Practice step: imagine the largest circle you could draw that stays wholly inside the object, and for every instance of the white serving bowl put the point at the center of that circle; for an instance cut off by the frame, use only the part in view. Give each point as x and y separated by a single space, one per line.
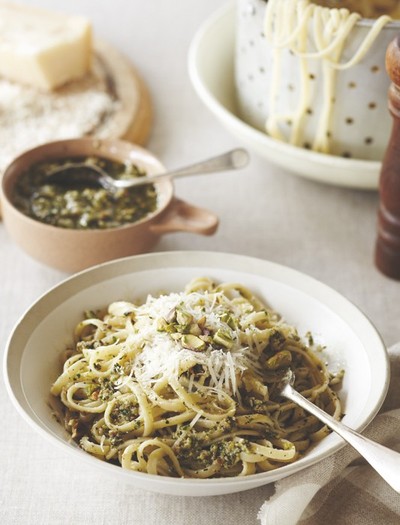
33 349
211 69
360 91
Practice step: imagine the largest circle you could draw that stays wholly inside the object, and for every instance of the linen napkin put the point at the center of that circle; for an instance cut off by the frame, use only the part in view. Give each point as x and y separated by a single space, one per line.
343 489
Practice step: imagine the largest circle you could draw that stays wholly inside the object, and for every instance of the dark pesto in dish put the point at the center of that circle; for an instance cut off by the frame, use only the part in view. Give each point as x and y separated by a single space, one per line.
83 204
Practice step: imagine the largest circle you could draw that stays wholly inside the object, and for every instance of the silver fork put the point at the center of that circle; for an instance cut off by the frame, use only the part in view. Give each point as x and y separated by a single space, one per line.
234 159
384 460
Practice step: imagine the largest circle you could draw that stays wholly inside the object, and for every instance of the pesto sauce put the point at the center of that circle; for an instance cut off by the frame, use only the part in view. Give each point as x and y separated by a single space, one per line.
83 205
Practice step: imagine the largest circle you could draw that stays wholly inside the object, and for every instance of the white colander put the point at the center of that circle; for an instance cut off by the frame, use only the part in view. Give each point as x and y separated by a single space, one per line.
360 124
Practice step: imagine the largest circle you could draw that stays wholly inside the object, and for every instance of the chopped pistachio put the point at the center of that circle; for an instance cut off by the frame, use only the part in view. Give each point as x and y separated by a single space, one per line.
192 342
202 321
164 326
183 318
195 329
171 315
228 319
221 337
279 360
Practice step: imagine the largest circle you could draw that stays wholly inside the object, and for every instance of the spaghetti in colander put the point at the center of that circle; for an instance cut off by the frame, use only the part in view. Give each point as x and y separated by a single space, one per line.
317 32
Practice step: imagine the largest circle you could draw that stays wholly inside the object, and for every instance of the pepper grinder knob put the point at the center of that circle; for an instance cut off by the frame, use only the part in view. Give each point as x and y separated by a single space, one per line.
387 250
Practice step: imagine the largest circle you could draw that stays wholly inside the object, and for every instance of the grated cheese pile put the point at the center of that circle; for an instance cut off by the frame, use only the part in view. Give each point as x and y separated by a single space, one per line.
29 118
162 356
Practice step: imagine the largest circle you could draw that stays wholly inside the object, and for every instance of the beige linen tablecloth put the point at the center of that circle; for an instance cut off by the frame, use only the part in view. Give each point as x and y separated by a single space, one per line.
324 231
343 489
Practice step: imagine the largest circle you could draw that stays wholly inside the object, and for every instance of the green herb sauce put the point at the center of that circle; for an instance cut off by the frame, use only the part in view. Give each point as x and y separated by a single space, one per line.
83 204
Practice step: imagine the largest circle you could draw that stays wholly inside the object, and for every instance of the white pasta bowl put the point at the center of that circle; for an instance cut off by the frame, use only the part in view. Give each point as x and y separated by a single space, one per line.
32 357
211 65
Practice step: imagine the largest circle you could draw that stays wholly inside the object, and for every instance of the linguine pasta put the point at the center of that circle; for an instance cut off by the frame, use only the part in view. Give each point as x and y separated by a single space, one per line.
186 385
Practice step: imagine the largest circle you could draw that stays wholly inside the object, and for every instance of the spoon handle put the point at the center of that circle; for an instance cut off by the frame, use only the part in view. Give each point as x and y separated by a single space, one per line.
384 460
234 159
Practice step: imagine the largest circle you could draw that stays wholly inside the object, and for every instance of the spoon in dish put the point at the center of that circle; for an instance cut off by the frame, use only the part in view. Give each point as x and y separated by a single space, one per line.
234 159
384 460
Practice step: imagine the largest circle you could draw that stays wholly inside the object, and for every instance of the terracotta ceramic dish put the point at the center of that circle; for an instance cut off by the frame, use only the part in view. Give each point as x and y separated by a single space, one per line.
73 250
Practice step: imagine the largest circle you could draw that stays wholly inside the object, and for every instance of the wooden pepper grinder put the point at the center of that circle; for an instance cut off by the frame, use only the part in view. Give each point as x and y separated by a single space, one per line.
387 252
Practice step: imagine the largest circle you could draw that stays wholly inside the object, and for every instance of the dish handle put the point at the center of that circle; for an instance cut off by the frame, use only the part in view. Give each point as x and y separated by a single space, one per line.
181 216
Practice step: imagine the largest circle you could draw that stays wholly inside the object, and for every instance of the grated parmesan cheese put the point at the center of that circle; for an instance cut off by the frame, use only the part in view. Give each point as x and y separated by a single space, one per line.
161 355
29 118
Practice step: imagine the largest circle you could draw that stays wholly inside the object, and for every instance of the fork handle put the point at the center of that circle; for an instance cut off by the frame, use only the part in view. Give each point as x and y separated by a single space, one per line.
234 159
384 460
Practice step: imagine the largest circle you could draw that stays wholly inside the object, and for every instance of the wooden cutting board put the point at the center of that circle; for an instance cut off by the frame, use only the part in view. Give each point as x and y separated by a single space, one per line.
112 101
132 121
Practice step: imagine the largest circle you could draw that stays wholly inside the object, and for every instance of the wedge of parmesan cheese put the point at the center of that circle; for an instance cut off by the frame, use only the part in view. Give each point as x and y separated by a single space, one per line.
43 49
